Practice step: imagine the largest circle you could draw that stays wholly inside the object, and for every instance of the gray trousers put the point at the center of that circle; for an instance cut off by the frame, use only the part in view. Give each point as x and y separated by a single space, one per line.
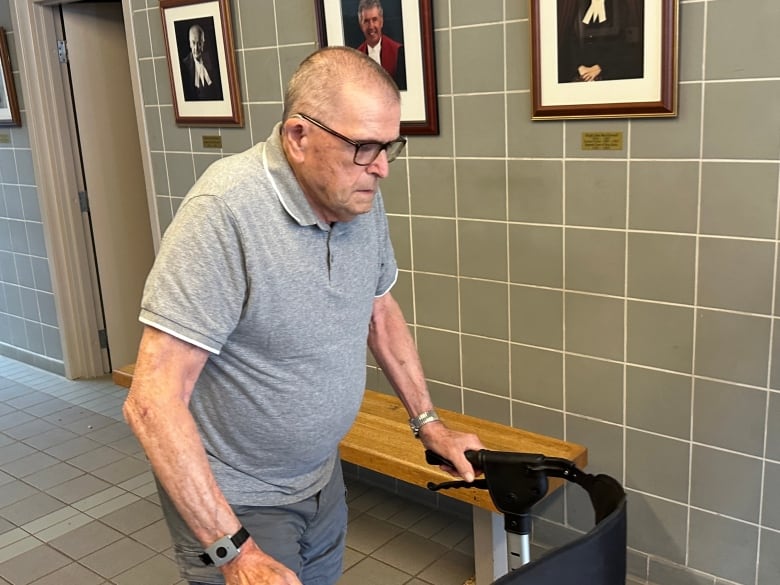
307 537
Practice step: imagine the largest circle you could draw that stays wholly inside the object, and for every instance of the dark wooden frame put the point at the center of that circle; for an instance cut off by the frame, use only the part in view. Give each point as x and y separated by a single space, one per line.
663 105
10 115
422 89
228 111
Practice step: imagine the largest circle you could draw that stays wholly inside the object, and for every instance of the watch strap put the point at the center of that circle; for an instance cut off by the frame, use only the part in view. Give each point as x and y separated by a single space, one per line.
417 422
225 549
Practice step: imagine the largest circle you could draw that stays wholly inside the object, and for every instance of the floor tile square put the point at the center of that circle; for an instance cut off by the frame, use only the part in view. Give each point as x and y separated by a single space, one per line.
370 571
86 539
156 536
78 488
31 565
29 464
56 436
157 570
121 470
117 558
72 574
72 448
133 517
96 458
54 475
31 508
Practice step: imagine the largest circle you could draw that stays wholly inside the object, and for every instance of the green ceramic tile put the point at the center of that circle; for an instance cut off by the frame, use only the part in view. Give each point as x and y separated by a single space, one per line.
486 369
752 34
257 24
156 34
401 238
595 261
723 547
663 196
261 74
668 138
441 13
537 420
531 138
537 316
660 336
661 267
744 408
481 188
395 188
657 465
478 59
535 191
732 347
440 354
445 396
604 442
770 516
163 81
440 144
658 401
596 193
482 249
537 376
736 274
177 138
181 172
536 255
402 293
235 140
733 112
443 57
594 388
484 308
664 572
713 487
658 527
594 325
769 567
492 408
691 41
474 116
773 423
436 301
739 199
432 187
296 21
435 245
517 58
143 46
264 118
148 82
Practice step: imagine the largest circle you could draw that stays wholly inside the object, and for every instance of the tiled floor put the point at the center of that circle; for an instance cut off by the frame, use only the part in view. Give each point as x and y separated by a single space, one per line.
78 504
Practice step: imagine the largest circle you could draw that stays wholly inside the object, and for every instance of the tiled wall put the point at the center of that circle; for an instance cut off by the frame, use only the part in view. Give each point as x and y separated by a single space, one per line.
626 301
28 316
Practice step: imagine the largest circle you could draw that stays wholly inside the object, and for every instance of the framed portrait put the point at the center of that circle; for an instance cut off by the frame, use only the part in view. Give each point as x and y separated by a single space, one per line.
9 104
399 35
201 62
603 58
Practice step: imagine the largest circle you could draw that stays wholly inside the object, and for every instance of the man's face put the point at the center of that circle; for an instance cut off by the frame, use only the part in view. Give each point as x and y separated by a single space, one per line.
371 23
196 42
337 188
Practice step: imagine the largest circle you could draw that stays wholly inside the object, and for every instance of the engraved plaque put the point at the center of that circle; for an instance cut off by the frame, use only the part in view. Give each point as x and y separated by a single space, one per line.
602 141
212 142
5 139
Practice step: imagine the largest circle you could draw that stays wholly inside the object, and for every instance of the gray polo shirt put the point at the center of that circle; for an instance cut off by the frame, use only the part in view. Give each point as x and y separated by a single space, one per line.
282 300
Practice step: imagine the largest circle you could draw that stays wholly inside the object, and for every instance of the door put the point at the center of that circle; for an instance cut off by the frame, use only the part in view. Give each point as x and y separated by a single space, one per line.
107 133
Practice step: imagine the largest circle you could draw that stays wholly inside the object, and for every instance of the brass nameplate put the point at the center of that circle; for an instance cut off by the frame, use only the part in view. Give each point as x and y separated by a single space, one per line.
212 142
602 141
5 139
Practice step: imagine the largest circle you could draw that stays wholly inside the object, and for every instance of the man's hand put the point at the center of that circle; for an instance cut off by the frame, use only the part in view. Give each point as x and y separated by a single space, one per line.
589 73
253 567
451 445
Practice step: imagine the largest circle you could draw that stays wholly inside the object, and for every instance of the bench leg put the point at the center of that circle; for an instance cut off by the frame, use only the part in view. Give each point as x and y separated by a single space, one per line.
490 546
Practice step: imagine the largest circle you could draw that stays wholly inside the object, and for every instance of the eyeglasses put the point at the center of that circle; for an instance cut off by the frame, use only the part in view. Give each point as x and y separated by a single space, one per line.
365 152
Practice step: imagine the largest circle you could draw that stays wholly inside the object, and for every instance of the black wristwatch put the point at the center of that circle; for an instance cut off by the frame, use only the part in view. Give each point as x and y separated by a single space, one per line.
225 549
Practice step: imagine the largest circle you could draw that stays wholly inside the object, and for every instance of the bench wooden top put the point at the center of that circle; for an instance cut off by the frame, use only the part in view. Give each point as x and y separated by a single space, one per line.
380 440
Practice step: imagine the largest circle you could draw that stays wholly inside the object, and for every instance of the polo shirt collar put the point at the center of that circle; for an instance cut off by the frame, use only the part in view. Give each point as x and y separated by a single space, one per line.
285 184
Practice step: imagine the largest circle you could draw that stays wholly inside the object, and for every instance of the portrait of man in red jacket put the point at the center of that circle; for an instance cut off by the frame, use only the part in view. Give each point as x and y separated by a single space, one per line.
386 51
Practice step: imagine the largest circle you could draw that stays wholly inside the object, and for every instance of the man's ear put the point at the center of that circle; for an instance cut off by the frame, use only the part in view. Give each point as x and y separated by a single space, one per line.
296 136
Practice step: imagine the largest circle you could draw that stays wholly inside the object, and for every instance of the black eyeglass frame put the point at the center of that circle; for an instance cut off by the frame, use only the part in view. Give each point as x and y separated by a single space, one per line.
386 146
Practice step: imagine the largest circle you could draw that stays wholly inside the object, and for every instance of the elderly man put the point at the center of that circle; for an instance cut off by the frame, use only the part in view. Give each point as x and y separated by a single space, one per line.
199 73
274 274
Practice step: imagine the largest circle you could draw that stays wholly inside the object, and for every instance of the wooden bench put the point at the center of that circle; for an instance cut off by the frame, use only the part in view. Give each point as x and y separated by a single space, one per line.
380 440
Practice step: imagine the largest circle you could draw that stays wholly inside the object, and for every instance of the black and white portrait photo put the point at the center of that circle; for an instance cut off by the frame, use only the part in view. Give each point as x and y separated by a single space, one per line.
200 73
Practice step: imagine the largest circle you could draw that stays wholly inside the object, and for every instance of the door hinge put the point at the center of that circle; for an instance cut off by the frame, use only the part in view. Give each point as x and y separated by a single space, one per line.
103 338
83 202
62 51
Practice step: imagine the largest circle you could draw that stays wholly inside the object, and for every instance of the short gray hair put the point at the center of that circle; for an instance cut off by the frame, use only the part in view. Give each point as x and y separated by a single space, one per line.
367 5
315 87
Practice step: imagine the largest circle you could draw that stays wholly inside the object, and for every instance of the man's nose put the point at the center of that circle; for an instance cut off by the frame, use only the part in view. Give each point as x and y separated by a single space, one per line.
380 167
